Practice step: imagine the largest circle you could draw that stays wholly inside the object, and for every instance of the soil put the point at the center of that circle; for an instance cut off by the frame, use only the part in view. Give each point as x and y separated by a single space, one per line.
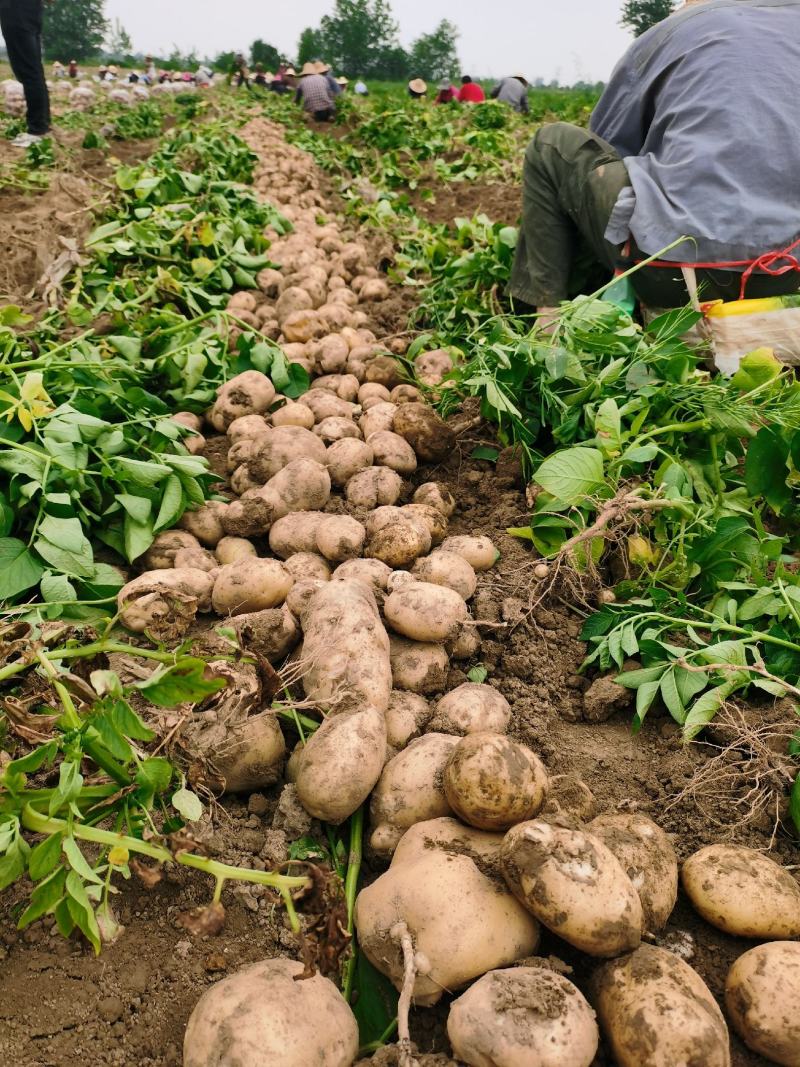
60 1005
443 203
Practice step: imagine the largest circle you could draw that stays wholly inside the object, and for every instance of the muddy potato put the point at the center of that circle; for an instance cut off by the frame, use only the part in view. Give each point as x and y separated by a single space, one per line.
418 667
393 451
161 553
300 595
386 370
406 717
261 1015
240 481
327 405
333 353
272 633
405 394
371 572
206 522
656 1011
465 643
374 487
296 532
492 782
279 448
762 995
373 393
400 544
571 799
479 552
647 857
379 418
246 755
448 835
164 603
292 299
381 517
410 790
302 326
447 569
249 393
345 386
424 612
337 428
397 579
269 281
242 301
293 414
340 537
302 565
239 452
523 1017
200 558
430 437
250 585
347 457
432 367
574 885
436 496
247 427
254 513
303 485
743 892
434 520
374 289
472 708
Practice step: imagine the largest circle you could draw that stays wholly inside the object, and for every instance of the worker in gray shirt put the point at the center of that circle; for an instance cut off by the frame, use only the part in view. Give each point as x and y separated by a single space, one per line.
695 136
512 91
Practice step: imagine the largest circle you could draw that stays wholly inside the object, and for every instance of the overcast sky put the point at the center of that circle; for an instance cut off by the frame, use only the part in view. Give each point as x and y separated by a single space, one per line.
565 39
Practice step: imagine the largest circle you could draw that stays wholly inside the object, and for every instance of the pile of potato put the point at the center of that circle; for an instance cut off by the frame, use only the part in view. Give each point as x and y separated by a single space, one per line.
325 557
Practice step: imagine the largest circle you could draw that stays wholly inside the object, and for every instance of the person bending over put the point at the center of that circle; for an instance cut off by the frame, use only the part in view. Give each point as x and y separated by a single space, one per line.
314 93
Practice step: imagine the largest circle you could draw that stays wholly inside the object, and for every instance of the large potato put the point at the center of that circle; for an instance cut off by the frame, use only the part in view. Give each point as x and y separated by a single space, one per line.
250 585
743 892
247 427
164 603
346 458
371 572
647 857
232 549
373 487
249 393
450 836
656 1011
762 995
248 754
472 708
303 485
446 568
296 532
479 552
575 886
492 782
523 1017
293 414
305 565
280 447
418 667
400 543
429 436
378 418
340 537
424 612
392 451
262 1016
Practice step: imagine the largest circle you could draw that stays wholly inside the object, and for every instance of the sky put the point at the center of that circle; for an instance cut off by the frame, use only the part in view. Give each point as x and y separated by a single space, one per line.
570 40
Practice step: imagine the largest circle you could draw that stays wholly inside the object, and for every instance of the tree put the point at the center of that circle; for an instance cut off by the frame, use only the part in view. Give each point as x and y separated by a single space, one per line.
358 36
309 46
434 55
73 29
639 15
261 52
118 42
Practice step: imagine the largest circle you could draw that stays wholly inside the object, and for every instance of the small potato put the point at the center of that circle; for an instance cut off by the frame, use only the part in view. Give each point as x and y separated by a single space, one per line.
248 755
333 353
240 480
432 367
501 1021
378 419
345 386
743 892
261 1014
574 885
405 394
437 496
472 708
346 458
424 612
417 667
400 544
479 552
303 565
189 419
250 585
241 451
448 569
327 405
374 289
303 485
406 718
648 859
206 522
465 644
293 414
433 520
161 553
296 532
373 391
656 1011
335 316
762 995
335 428
242 301
340 537
430 437
385 370
279 448
269 281
374 487
248 393
247 427
492 782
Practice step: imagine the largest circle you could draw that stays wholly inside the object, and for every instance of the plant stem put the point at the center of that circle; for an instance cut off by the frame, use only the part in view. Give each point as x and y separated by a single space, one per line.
354 858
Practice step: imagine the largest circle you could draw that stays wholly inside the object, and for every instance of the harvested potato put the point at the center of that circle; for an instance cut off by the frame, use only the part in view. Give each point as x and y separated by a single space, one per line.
410 790
327 405
433 520
161 553
743 892
479 552
472 708
296 532
164 603
574 885
272 633
333 353
397 579
247 427
436 496
647 857
262 1014
447 569
372 487
372 393
283 445
465 644
345 386
385 370
391 450
292 299
303 485
378 419
242 301
424 612
405 394
406 717
243 450
250 585
240 480
299 596
492 782
336 428
450 836
432 367
255 513
523 1017
398 545
248 393
417 667
302 326
460 922
374 289
200 558
206 522
762 995
346 458
656 1011
386 515
429 436
340 537
303 565
244 755
293 414
371 572
190 420
569 798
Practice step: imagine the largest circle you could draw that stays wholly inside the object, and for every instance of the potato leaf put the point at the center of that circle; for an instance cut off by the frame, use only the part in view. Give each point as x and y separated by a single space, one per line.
19 570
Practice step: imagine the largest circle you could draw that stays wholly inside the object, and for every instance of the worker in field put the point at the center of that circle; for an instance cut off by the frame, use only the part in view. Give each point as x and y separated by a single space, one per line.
417 88
512 91
470 92
314 93
21 26
446 94
695 136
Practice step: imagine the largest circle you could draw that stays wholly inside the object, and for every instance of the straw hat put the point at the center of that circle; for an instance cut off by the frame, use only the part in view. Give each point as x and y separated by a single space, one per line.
322 67
112 69
291 72
308 68
342 80
417 85
521 78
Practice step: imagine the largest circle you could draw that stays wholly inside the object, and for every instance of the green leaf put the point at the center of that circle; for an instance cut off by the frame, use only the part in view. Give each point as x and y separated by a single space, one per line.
180 682
756 368
78 862
794 803
645 695
171 506
138 507
572 474
70 783
12 865
485 452
19 570
40 757
140 473
376 1003
57 589
44 857
478 674
188 804
76 564
129 348
137 537
64 921
671 696
765 469
706 707
81 911
153 777
45 897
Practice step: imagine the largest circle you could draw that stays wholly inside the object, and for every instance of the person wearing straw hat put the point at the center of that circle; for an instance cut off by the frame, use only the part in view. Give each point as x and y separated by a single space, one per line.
314 93
325 70
446 94
512 91
417 88
342 82
691 158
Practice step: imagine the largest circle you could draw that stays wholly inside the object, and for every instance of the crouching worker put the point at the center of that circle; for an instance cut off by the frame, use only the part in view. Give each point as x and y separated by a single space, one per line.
696 136
314 93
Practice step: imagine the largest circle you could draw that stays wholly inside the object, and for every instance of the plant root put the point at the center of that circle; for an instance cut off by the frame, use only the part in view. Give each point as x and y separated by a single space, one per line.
400 933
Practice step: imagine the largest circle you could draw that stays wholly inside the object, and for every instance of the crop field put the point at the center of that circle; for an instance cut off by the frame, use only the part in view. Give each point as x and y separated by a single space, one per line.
351 623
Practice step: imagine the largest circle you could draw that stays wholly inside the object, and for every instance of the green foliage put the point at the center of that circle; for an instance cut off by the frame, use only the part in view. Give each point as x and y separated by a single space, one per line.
358 35
118 42
310 45
73 29
266 54
435 55
639 16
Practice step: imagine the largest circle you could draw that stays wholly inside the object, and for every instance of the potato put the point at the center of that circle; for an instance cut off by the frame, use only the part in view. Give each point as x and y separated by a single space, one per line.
391 450
647 857
447 569
372 487
262 1015
340 537
656 1011
432 367
336 428
465 643
247 427
374 289
254 513
250 585
200 558
269 281
574 885
300 594
460 922
429 436
450 836
302 326
345 386
240 480
279 448
303 485
436 496
272 633
242 301
406 718
492 782
399 544
333 354
296 532
743 892
248 393
161 553
189 419
523 1017
335 316
164 603
762 995
379 418
373 393
346 458
569 798
241 451
371 572
327 405
303 565
424 612
410 790
293 414
247 755
434 521
472 708
479 552
206 522
417 667
292 299
405 394
385 370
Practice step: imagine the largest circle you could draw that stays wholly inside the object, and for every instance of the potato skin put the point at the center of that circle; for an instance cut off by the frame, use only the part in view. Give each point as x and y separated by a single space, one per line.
437 496
450 836
302 485
656 1011
574 885
762 997
260 1015
280 447
418 667
448 569
296 532
369 571
252 754
406 717
724 882
424 612
398 544
472 708
164 602
340 537
161 553
479 552
523 1017
492 782
346 458
373 487
250 585
393 451
429 436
